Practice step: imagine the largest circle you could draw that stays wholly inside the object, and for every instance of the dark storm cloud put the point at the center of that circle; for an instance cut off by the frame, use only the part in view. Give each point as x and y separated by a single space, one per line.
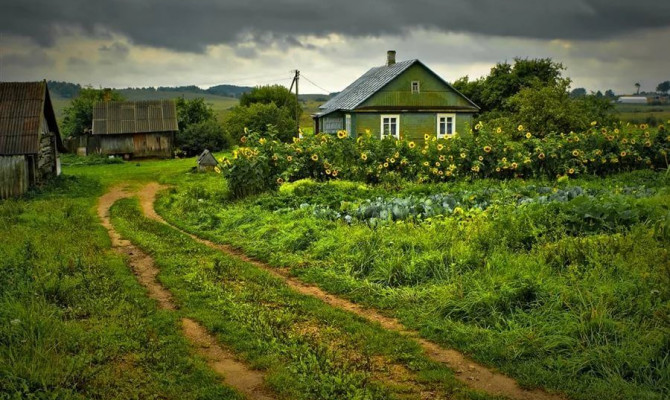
193 25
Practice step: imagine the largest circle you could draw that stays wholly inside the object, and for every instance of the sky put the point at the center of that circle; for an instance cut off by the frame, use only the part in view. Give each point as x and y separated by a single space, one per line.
604 44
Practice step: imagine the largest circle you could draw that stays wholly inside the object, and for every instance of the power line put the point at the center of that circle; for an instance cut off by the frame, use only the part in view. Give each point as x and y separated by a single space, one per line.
310 81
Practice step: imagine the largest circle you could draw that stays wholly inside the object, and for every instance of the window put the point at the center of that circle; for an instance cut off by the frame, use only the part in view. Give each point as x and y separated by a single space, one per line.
446 125
415 86
390 126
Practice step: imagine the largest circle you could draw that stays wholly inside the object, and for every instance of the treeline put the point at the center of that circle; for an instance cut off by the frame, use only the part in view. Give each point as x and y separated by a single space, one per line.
68 90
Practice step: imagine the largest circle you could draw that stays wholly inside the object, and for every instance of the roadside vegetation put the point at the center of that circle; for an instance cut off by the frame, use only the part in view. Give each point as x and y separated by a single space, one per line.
560 283
74 322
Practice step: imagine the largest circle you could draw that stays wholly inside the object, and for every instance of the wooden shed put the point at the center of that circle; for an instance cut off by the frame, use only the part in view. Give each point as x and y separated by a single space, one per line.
29 137
134 128
207 161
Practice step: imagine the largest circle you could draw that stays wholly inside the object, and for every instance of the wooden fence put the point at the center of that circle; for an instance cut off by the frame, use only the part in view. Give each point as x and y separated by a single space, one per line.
13 176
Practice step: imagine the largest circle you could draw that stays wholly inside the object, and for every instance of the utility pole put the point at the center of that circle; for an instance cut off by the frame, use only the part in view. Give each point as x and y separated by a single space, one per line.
296 78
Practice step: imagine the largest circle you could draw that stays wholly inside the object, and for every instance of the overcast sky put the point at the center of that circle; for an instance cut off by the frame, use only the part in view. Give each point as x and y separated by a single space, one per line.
119 43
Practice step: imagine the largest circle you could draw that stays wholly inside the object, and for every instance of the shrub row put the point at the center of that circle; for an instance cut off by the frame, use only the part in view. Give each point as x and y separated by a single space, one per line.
263 162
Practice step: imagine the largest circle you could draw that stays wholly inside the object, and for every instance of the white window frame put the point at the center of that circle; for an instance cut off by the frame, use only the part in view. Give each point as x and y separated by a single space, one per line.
418 87
347 124
397 125
453 125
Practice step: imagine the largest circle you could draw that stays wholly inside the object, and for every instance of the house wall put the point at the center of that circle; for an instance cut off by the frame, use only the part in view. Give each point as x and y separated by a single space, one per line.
138 144
432 92
413 125
48 154
14 178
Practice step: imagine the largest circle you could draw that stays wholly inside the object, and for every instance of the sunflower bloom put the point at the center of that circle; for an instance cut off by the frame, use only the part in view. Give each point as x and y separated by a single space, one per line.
499 130
426 136
217 169
280 181
575 153
540 156
364 156
440 147
289 158
411 145
463 155
571 171
335 172
487 149
341 134
520 128
528 135
315 157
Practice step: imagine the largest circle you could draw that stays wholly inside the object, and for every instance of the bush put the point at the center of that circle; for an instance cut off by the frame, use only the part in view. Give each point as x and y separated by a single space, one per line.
261 118
208 134
493 152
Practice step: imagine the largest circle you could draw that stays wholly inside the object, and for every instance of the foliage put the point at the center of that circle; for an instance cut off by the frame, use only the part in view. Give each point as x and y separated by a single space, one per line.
561 283
78 116
663 87
198 128
277 94
501 152
203 135
68 159
65 90
260 117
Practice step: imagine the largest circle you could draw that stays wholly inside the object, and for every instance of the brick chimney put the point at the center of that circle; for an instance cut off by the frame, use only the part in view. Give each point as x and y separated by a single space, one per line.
390 57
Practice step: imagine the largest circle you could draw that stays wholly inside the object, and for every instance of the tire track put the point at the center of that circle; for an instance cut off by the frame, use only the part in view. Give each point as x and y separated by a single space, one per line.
234 373
468 371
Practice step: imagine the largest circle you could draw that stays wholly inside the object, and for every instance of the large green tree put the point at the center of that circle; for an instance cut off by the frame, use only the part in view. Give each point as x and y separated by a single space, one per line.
663 87
78 117
259 117
199 128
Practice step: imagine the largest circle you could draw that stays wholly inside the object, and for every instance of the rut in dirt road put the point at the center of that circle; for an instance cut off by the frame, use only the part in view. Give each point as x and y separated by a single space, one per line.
471 373
235 374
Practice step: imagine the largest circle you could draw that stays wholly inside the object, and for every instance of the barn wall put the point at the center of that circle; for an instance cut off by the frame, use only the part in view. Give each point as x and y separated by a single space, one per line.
137 145
14 180
46 158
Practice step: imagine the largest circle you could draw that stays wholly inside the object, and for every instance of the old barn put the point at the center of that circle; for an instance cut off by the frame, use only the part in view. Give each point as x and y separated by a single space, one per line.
29 137
134 128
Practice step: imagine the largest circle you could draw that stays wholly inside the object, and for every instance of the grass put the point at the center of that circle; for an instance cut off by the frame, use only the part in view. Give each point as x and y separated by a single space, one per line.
639 113
308 349
570 295
74 322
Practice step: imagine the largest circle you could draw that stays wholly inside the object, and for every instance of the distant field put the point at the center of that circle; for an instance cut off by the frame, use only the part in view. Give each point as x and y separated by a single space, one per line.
639 113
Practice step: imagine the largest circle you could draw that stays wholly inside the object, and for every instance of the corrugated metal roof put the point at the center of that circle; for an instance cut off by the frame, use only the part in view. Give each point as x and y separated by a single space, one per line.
121 117
370 83
22 105
364 87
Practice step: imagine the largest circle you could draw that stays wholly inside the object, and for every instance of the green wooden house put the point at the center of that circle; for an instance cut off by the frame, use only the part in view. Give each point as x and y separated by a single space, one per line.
403 99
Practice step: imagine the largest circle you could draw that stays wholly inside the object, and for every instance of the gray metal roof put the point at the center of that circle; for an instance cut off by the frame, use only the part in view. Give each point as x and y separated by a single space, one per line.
370 83
22 107
364 87
124 117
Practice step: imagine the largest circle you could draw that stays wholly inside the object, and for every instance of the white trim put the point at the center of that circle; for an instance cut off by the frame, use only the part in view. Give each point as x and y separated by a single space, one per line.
347 124
453 125
397 126
418 87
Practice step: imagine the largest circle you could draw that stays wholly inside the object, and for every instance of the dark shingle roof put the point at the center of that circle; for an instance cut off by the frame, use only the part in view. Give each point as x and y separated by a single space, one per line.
22 105
370 83
121 117
364 87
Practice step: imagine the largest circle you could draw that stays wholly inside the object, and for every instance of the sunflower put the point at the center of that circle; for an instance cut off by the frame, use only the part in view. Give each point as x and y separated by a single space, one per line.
575 153
217 169
623 154
487 149
448 173
475 168
262 141
528 135
364 156
632 141
327 172
498 130
335 172
280 181
519 128
442 158
440 147
498 169
386 165
514 165
437 163
411 145
603 131
610 138
426 163
647 143
504 159
616 130
392 160
275 157
426 137
341 134
540 156
289 158
594 123
243 139
315 157
463 155
480 158
571 171
624 140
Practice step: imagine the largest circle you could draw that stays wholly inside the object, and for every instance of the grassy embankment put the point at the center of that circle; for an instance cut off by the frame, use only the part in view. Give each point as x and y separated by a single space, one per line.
559 286
74 322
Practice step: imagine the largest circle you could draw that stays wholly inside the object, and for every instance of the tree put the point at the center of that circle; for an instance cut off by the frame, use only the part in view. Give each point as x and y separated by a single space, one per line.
663 87
637 86
277 94
609 93
199 128
78 117
194 111
505 80
206 134
259 117
578 92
